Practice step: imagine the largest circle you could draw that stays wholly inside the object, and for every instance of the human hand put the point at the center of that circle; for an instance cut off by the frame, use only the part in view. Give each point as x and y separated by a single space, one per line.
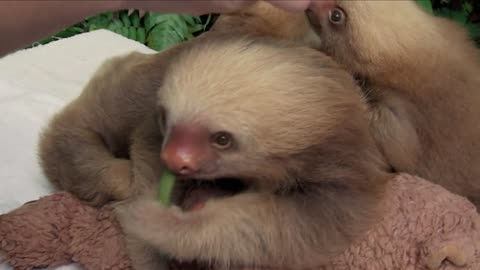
209 6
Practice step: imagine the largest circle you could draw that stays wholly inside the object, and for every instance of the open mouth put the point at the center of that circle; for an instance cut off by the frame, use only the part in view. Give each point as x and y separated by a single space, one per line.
194 193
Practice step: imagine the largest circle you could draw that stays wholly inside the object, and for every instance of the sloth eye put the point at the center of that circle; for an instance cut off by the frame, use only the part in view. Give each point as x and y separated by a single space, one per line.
336 16
222 140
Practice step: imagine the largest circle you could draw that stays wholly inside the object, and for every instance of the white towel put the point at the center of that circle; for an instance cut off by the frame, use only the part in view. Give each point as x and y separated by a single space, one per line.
34 84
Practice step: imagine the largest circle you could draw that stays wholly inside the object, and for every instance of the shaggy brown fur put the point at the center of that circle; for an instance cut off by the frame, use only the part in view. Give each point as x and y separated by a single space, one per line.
313 175
419 72
88 148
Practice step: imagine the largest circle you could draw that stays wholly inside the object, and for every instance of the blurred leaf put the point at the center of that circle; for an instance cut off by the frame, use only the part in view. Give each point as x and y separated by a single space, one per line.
132 33
162 37
474 30
100 21
209 18
152 19
427 5
158 31
124 18
467 8
135 18
141 35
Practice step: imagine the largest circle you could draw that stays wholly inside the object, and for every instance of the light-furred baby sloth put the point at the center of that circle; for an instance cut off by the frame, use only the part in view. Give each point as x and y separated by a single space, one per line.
419 73
280 133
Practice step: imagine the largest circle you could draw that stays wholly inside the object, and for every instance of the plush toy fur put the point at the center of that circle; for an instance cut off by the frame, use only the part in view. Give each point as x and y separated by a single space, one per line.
424 227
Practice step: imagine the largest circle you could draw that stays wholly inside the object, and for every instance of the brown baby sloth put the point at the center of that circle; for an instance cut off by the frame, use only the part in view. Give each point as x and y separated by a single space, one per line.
281 132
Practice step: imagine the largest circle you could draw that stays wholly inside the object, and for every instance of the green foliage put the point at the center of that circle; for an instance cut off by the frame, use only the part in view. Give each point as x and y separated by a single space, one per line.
464 12
157 31
160 31
426 4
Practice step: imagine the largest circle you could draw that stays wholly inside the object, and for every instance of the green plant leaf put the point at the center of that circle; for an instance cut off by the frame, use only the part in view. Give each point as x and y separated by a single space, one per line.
467 8
135 18
156 30
209 18
117 23
100 21
141 35
427 5
161 37
124 31
474 30
457 16
124 18
132 33
152 19
112 27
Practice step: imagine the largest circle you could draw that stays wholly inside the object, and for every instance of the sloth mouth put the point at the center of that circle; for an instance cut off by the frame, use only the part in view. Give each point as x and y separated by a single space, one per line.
196 192
193 194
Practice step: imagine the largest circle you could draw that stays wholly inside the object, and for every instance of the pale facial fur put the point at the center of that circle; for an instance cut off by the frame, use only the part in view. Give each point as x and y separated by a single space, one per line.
314 176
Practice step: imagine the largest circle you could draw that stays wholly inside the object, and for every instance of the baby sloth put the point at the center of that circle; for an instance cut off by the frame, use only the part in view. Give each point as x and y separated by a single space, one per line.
421 77
280 134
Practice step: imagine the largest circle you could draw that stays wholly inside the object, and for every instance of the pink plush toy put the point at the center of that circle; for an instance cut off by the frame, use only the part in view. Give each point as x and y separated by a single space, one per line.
425 227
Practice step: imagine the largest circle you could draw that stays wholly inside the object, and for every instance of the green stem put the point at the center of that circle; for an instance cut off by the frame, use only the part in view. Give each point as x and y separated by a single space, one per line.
167 181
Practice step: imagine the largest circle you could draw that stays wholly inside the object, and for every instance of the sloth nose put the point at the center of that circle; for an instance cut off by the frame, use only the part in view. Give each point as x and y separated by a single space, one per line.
181 161
186 149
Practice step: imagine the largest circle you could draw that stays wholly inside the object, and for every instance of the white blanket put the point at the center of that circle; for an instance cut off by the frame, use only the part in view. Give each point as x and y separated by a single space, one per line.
34 84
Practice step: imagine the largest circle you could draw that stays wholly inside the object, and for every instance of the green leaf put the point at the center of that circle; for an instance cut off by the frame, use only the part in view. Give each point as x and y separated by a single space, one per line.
152 19
197 28
113 27
209 18
467 8
474 30
162 37
457 16
191 20
100 21
156 30
427 5
135 18
117 23
141 35
125 19
132 33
